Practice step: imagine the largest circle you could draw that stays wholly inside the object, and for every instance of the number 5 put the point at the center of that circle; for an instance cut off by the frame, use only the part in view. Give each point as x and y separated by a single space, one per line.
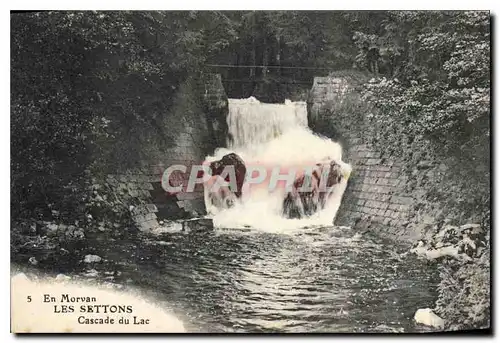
29 298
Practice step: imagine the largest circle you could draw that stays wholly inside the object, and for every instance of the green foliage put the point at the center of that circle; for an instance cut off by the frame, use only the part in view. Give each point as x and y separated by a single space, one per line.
91 90
440 98
463 254
464 292
446 79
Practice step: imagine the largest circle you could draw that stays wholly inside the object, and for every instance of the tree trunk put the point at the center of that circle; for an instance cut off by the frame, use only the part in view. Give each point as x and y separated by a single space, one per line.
265 59
278 54
253 59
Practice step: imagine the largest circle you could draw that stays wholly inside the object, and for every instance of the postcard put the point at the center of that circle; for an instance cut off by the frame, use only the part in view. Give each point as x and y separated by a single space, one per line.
250 171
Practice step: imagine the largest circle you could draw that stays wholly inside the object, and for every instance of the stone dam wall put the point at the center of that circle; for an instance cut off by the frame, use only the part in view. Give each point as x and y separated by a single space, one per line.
380 195
199 112
398 196
376 190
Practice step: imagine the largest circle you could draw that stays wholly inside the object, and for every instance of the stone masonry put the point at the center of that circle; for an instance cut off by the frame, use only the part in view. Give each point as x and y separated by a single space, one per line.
375 192
200 109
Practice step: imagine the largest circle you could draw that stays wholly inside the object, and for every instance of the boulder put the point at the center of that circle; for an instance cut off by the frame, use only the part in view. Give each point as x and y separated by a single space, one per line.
62 278
197 225
92 259
232 159
427 317
299 203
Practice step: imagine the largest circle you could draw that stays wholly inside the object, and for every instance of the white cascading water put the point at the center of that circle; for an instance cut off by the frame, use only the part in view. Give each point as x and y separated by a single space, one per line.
273 135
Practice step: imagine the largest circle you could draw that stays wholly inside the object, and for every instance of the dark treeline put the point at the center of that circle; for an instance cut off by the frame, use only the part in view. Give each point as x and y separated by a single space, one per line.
88 88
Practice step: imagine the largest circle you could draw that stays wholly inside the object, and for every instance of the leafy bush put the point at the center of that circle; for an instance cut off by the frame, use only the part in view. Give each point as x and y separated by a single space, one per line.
91 93
464 292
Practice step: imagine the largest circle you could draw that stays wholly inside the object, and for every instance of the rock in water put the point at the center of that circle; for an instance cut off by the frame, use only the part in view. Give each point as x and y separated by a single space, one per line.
197 225
92 259
427 317
240 170
91 273
62 277
306 197
32 260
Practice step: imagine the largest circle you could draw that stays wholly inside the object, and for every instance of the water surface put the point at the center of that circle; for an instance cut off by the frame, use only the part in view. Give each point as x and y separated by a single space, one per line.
327 279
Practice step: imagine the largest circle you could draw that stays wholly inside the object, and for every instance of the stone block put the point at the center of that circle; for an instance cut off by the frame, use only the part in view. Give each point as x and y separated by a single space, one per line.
189 196
197 225
150 216
382 181
395 215
139 218
133 193
355 188
372 154
382 205
151 208
375 189
383 197
401 200
148 225
392 182
400 208
366 196
366 188
370 180
372 161
137 210
386 168
394 207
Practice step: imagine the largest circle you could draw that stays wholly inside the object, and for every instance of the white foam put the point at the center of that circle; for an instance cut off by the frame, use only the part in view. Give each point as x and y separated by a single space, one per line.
273 135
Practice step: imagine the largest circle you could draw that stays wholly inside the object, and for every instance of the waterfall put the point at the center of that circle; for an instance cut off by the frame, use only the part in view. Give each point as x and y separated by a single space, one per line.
273 137
252 123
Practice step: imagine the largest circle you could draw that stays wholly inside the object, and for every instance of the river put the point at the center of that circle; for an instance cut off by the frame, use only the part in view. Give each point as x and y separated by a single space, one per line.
326 279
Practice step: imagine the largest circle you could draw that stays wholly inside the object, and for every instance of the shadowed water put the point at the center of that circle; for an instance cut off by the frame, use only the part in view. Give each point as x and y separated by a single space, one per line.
318 280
